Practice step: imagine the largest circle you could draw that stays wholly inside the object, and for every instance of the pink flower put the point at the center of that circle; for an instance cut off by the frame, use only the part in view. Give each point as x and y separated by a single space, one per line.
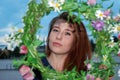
118 53
90 77
23 49
98 25
24 70
117 18
107 12
91 2
88 66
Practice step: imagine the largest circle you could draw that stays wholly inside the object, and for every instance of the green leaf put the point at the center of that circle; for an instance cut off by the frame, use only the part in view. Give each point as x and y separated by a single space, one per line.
110 6
70 6
38 42
84 7
18 63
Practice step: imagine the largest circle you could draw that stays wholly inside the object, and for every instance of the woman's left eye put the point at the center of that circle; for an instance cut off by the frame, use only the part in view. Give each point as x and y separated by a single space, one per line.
68 33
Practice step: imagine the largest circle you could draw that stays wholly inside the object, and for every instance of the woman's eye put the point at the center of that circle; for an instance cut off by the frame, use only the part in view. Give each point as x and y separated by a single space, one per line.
68 33
55 30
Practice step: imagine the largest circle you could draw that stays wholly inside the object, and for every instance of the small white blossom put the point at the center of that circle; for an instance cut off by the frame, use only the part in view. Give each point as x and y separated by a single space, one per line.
116 29
20 30
12 35
11 41
17 42
109 28
56 4
112 39
99 14
6 38
10 46
51 3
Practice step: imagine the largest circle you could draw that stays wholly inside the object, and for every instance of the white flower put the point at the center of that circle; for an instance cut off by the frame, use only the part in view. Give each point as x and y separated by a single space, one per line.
116 29
17 42
51 3
12 35
112 39
99 14
10 46
6 38
11 41
20 30
56 5
109 28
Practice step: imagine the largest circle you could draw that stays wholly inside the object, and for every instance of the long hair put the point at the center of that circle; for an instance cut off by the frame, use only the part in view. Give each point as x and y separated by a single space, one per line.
81 48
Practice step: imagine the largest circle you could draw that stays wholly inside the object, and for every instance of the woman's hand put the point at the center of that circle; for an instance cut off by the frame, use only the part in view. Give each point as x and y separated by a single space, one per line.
26 72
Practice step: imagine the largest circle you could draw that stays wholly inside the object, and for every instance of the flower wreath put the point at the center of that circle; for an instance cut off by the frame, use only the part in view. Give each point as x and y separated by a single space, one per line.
101 23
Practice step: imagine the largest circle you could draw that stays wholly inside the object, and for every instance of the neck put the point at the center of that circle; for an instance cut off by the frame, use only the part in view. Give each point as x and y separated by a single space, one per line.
57 61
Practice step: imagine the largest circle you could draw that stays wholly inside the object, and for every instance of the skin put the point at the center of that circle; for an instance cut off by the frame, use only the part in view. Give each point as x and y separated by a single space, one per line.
60 42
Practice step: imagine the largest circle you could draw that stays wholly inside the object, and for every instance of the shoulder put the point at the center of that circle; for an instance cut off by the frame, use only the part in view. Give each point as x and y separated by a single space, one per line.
38 75
45 62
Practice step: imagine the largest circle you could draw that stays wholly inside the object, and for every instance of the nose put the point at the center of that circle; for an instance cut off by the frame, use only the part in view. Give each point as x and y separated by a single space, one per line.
59 36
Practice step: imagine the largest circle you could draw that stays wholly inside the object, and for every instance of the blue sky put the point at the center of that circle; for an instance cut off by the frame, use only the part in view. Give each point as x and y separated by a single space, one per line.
12 11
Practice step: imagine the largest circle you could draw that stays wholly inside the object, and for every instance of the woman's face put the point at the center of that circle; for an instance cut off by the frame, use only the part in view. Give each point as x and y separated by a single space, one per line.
61 37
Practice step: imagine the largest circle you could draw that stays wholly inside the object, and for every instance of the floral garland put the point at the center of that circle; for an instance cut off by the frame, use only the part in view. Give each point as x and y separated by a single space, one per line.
102 24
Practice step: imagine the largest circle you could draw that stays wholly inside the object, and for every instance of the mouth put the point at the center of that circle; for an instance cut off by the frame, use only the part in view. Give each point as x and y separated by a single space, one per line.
57 44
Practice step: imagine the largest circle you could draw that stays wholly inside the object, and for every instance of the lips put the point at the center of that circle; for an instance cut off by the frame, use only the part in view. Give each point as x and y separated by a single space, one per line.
57 44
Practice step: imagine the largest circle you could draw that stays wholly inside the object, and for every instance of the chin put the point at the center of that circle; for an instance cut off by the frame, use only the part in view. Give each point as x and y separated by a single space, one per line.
58 51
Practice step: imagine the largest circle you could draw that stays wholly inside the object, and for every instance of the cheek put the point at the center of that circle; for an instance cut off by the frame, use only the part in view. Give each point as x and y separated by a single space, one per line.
51 37
68 43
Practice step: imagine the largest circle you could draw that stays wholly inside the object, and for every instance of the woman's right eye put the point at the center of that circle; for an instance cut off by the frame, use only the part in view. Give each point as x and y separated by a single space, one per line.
55 30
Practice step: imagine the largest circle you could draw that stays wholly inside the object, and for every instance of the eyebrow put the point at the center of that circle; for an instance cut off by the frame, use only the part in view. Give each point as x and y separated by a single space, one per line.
65 29
55 26
70 30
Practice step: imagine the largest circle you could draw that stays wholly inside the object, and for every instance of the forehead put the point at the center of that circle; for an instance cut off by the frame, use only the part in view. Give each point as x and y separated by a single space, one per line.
62 23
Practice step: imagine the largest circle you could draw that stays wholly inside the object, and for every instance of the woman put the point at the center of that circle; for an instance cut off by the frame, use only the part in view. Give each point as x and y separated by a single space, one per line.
68 45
